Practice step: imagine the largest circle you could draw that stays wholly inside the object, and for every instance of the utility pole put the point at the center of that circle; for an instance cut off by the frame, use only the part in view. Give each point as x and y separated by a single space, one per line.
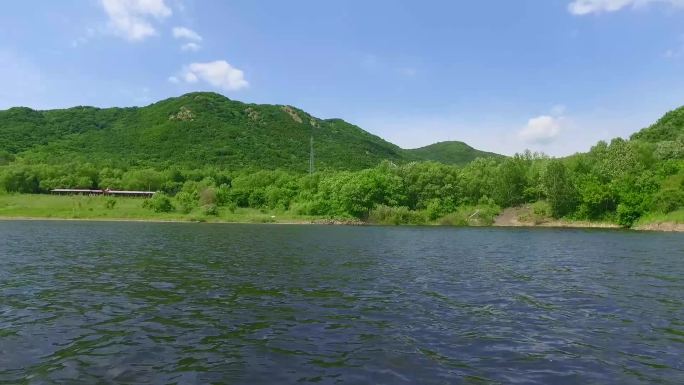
311 156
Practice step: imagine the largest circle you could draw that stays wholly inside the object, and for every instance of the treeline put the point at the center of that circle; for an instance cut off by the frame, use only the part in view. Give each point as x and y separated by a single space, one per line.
617 182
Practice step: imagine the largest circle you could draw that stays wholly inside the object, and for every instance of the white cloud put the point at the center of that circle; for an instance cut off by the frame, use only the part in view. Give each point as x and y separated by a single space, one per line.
585 7
219 74
186 33
190 47
543 129
190 77
131 19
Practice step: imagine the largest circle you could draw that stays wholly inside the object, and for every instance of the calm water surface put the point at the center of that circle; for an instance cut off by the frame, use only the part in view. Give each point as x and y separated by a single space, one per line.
129 303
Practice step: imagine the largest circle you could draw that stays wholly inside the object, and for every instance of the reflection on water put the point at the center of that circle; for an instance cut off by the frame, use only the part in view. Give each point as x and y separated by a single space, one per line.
255 304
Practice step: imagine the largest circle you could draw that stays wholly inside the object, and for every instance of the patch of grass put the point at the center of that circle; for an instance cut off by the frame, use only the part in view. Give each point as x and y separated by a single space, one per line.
386 215
537 213
480 215
100 207
676 216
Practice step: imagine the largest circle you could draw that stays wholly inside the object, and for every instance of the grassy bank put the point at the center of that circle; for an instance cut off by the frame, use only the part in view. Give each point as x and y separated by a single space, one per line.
41 206
673 221
120 208
536 215
102 208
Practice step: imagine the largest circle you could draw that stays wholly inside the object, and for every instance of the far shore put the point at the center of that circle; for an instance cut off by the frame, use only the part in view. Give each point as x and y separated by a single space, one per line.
556 224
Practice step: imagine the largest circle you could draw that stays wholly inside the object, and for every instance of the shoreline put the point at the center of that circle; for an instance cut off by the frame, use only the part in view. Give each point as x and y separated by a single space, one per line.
665 227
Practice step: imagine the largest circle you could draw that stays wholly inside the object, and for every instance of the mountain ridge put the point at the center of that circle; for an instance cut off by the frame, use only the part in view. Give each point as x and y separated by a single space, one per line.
197 129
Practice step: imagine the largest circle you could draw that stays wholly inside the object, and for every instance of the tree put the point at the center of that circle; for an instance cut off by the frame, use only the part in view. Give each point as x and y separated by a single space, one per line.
560 189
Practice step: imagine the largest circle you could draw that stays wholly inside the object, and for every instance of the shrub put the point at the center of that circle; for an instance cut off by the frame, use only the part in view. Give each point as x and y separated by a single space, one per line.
110 203
210 209
396 216
627 214
231 206
187 201
207 196
453 219
669 200
159 203
480 215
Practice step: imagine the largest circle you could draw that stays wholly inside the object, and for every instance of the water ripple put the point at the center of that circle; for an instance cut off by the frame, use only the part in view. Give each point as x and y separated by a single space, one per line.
187 303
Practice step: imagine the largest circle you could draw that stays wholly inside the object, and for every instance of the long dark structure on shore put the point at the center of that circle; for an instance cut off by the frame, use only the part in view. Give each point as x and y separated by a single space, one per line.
123 193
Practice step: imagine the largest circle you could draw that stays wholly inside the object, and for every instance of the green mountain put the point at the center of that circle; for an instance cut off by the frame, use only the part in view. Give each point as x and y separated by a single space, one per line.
457 153
202 129
668 128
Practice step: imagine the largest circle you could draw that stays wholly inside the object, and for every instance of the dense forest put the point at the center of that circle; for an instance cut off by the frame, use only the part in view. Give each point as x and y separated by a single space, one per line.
203 129
358 175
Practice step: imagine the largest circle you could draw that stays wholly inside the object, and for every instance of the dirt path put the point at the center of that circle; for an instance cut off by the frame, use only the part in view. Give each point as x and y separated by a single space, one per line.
510 217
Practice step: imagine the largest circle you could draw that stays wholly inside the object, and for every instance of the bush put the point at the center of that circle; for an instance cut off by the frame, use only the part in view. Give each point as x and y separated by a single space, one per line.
110 203
627 214
187 201
159 203
207 197
396 216
210 209
231 206
453 219
480 215
541 209
667 201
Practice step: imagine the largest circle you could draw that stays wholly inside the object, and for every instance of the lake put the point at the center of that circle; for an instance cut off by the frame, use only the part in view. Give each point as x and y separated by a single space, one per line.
163 303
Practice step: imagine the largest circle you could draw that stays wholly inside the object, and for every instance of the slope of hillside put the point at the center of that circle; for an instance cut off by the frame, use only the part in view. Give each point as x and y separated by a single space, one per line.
457 153
200 129
668 128
193 130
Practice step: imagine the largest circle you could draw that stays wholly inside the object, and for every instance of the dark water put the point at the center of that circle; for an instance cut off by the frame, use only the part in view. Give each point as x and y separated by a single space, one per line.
131 303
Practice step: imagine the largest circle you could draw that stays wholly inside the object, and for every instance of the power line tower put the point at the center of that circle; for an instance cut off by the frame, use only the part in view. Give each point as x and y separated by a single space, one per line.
311 156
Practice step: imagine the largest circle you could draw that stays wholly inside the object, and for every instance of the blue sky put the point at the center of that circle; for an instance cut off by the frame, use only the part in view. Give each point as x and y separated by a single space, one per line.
507 75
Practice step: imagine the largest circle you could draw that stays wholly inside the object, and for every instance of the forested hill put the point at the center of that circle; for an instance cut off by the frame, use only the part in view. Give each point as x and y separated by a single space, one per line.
198 130
669 128
457 153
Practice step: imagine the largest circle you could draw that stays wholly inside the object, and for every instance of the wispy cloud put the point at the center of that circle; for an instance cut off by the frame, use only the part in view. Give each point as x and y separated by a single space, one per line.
191 37
190 47
585 7
186 33
133 19
219 74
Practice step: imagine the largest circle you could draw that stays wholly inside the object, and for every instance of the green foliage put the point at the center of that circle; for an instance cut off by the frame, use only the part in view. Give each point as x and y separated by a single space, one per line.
542 209
511 181
187 201
19 179
110 203
668 200
669 128
561 193
197 130
480 215
204 152
210 209
159 203
456 153
387 215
